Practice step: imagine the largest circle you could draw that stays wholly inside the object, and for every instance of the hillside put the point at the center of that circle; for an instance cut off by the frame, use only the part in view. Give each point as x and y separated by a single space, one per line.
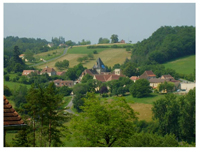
165 44
110 56
184 65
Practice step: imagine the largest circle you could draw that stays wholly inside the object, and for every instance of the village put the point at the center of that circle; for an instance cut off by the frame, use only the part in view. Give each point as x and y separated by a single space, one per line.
98 72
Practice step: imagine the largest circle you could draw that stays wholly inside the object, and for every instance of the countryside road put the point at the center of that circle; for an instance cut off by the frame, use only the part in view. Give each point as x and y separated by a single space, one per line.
65 51
70 106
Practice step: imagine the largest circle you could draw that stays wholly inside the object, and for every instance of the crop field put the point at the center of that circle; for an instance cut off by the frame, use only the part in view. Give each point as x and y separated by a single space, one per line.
185 65
109 57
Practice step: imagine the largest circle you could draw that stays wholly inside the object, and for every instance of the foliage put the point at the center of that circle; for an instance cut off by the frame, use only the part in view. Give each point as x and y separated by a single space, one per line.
70 43
120 86
64 90
29 55
103 89
140 88
165 44
130 69
151 140
62 64
86 78
7 91
91 56
83 42
75 72
44 107
103 40
95 52
177 115
169 86
6 77
19 96
114 38
102 123
35 45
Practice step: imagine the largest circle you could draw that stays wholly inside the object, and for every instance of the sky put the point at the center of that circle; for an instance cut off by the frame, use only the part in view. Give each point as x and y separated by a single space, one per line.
90 21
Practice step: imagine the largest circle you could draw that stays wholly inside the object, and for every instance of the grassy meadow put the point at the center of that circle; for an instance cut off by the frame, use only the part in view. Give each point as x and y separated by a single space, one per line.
109 56
184 65
15 85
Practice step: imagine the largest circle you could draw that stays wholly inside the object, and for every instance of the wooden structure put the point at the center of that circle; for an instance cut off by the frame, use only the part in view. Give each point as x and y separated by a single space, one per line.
12 120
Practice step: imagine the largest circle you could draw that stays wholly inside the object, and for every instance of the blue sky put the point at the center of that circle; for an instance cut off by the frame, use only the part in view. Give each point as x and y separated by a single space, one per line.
90 21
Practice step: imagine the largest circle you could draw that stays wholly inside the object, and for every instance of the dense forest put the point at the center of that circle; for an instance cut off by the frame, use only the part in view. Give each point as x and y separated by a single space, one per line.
35 45
165 44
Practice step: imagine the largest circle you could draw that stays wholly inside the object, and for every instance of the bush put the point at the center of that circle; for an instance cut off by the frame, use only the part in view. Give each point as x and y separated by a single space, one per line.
6 77
95 52
104 95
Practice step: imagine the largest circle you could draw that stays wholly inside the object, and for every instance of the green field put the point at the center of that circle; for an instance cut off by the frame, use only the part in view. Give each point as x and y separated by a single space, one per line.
84 50
15 85
184 65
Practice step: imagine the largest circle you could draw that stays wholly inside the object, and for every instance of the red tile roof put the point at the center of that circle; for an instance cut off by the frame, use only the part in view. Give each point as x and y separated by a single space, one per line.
134 78
60 73
47 70
150 73
11 117
27 72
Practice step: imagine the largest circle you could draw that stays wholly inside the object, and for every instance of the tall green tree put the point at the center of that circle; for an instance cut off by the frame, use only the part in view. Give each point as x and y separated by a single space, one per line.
140 88
114 38
29 55
102 123
167 111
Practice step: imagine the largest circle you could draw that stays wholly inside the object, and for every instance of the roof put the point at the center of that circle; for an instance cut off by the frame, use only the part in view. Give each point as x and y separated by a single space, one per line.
60 73
21 55
27 72
48 70
157 80
60 83
108 77
99 64
11 117
147 74
150 73
134 78
168 76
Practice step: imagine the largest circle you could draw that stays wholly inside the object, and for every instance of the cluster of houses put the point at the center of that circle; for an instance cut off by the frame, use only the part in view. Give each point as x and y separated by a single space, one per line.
98 72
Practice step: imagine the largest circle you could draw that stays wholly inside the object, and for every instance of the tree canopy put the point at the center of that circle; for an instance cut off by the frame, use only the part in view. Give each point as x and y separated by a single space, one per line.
101 124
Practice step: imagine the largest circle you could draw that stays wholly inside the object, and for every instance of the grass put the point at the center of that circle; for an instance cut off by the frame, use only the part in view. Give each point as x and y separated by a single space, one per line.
110 57
15 85
9 136
84 50
141 105
184 65
66 99
47 55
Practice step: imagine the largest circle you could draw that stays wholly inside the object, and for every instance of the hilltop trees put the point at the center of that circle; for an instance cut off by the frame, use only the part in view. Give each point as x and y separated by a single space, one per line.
103 40
165 44
114 38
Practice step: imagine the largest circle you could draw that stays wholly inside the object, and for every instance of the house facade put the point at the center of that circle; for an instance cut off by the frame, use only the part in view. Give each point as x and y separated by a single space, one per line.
49 71
60 83
27 72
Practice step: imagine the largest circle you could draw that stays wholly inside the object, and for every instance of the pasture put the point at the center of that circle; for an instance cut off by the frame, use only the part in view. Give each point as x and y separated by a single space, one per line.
184 65
110 57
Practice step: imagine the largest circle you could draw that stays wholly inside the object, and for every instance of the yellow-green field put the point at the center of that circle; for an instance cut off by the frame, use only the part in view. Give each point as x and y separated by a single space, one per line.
109 57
